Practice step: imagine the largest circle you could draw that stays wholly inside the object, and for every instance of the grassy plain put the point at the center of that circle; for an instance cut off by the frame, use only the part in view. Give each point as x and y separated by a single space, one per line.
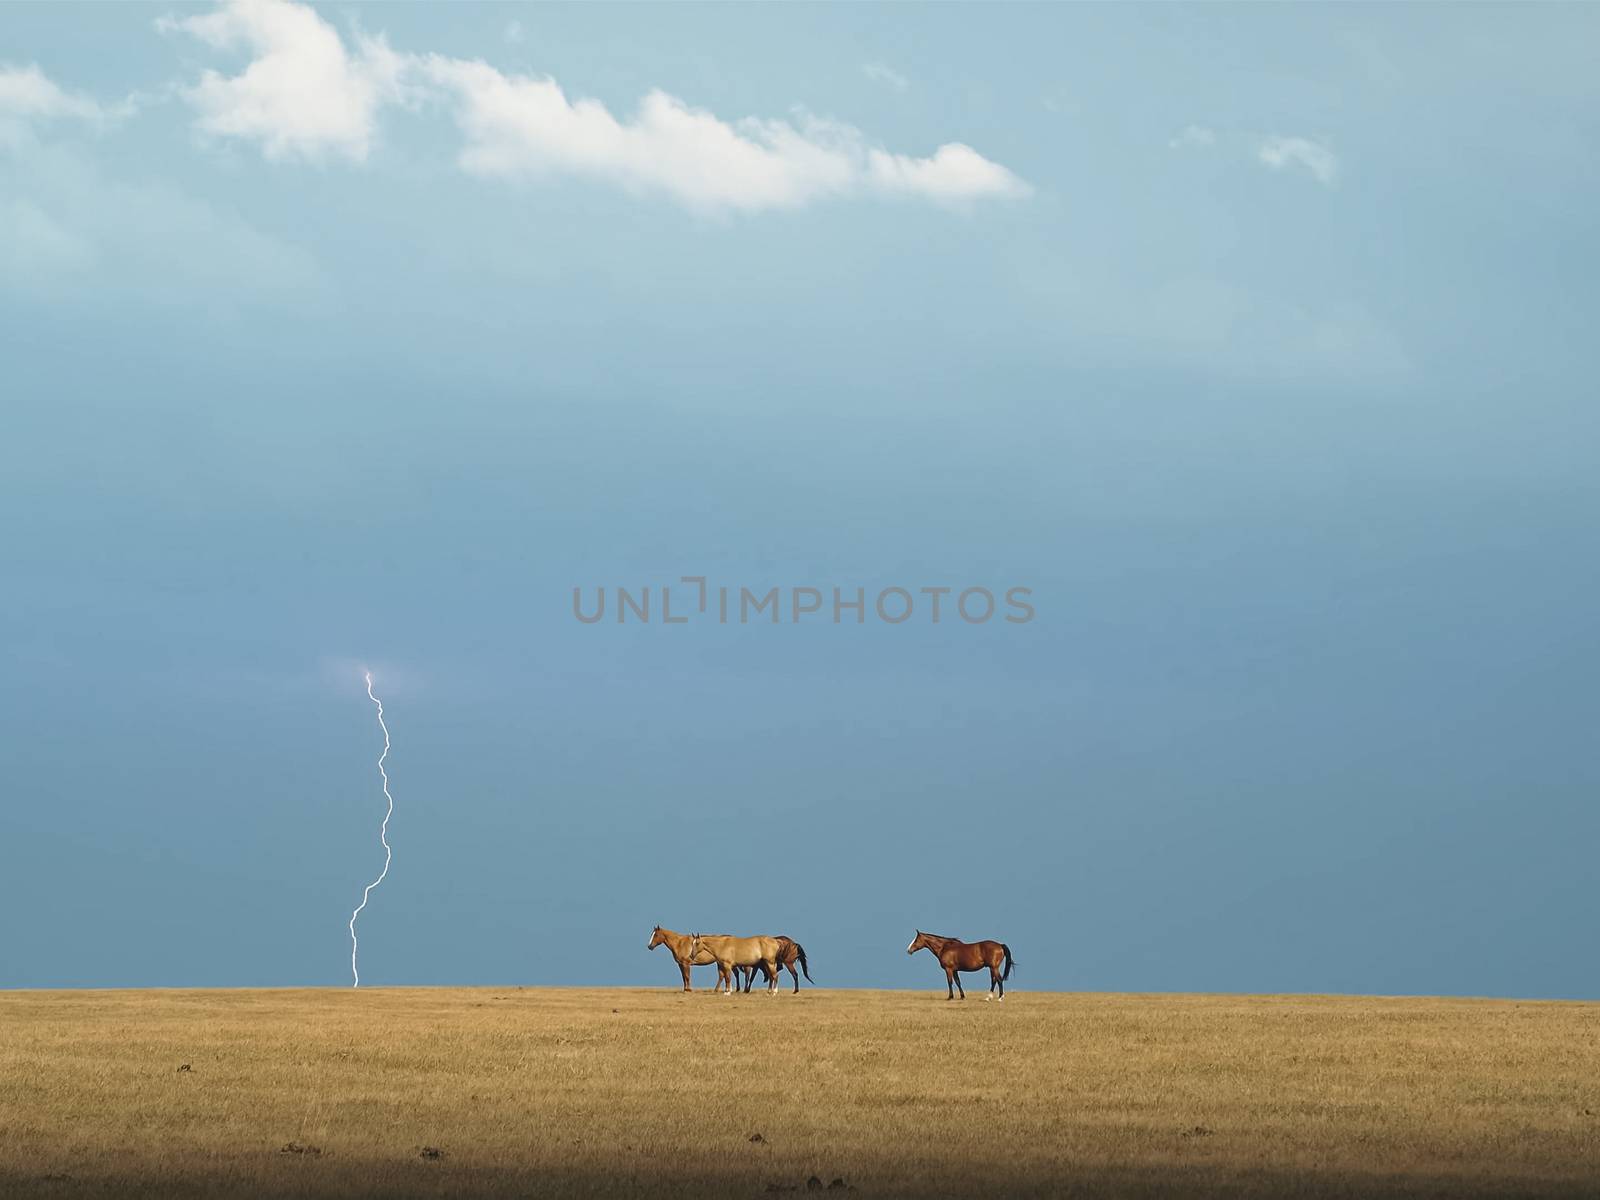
434 1092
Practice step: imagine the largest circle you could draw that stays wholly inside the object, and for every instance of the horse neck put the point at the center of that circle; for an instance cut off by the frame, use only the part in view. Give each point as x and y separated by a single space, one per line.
678 943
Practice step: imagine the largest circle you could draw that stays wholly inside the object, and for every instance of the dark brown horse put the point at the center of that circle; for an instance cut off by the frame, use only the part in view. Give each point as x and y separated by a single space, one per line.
956 956
789 953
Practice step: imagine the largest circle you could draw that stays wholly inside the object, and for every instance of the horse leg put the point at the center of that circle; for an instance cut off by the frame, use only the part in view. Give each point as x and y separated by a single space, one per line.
959 988
795 975
950 983
999 981
684 967
994 981
770 966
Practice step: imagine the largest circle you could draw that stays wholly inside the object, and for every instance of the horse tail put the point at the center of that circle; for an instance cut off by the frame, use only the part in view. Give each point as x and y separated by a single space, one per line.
1009 962
800 953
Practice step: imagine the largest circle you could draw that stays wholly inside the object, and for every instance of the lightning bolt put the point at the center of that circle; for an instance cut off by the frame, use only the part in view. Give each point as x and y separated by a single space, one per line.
383 835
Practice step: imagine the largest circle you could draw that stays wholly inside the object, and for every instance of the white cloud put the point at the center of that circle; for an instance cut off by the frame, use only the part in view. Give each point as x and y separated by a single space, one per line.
881 73
303 94
523 126
65 225
1197 137
955 172
28 93
29 98
1280 153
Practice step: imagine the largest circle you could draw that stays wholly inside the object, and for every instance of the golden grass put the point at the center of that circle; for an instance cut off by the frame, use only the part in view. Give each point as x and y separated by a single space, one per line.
635 1092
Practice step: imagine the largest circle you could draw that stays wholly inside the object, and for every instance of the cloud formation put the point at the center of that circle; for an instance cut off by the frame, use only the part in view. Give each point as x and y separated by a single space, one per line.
64 222
1280 153
27 92
305 94
523 126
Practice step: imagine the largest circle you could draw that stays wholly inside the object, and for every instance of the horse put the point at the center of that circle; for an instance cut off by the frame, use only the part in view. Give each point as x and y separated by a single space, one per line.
678 945
789 953
681 946
956 956
732 952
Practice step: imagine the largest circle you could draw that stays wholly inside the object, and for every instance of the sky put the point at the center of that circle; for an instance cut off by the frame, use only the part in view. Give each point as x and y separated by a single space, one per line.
1255 342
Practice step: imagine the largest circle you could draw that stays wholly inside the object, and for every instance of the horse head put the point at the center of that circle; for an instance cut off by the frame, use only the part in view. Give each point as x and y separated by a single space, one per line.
657 939
917 943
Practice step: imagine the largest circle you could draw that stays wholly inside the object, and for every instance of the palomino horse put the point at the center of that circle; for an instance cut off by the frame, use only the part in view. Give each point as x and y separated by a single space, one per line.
789 953
683 949
956 956
732 952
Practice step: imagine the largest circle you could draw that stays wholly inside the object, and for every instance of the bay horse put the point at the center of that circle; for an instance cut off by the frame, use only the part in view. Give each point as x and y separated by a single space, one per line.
956 956
732 952
789 953
682 948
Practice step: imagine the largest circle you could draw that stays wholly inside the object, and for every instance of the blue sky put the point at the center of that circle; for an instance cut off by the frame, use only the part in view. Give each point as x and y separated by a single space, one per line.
1255 341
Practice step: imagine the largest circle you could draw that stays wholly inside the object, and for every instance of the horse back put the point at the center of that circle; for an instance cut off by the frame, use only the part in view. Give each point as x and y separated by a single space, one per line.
993 953
739 951
972 956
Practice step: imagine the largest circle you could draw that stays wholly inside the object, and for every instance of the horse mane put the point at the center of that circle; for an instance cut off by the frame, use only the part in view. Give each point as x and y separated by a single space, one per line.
943 937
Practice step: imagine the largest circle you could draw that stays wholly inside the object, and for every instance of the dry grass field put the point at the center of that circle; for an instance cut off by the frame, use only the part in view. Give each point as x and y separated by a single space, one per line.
654 1093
